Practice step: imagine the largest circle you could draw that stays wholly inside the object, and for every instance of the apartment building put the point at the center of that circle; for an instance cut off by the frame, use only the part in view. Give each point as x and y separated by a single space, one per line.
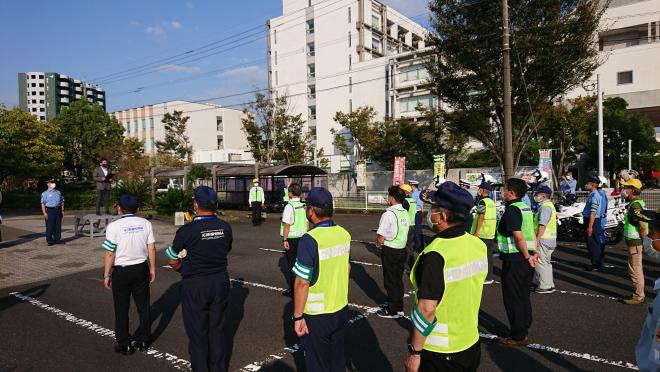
214 131
629 44
329 56
43 94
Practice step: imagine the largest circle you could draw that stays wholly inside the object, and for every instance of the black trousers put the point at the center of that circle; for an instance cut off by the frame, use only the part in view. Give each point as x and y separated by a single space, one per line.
593 244
130 281
256 213
491 246
291 255
204 301
464 361
102 195
516 279
53 224
394 262
324 344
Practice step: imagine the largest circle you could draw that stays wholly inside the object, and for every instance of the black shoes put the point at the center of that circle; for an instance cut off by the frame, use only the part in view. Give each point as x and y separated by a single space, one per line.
139 346
125 350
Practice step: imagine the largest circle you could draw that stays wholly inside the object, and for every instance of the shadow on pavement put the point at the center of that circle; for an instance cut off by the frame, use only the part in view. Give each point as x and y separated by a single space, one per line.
234 314
368 285
10 300
278 366
290 339
164 308
363 352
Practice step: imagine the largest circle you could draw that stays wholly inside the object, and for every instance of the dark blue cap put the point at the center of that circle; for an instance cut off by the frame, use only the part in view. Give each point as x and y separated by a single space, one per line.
319 197
128 202
206 197
449 196
594 179
544 189
486 186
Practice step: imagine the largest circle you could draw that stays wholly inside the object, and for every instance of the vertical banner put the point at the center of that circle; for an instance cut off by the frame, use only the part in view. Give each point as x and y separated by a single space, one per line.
399 170
439 166
545 163
361 174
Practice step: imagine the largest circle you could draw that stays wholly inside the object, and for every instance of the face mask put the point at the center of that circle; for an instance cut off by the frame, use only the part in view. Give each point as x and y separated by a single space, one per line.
648 243
624 194
104 165
429 222
569 178
538 199
51 186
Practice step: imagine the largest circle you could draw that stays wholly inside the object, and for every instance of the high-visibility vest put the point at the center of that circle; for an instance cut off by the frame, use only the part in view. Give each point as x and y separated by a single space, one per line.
630 230
256 194
299 226
551 228
489 225
507 244
330 292
412 210
402 227
285 195
457 313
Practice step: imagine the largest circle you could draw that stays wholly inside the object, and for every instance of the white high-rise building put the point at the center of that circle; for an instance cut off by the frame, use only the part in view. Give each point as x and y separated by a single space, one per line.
338 55
214 132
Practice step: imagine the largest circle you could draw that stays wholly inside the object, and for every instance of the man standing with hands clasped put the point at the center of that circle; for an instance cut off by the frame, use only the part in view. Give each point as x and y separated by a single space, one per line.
52 207
103 177
517 245
130 265
256 199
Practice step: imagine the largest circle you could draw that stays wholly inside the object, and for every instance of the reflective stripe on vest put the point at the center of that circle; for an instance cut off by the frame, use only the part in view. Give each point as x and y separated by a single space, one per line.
299 226
402 227
330 292
630 230
256 195
466 266
551 228
489 225
412 210
507 244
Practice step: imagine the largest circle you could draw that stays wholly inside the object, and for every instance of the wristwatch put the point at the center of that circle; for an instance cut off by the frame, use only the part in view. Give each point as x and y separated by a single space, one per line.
412 351
295 319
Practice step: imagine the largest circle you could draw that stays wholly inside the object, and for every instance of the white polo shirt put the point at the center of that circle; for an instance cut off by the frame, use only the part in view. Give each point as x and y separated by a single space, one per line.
388 226
288 215
128 238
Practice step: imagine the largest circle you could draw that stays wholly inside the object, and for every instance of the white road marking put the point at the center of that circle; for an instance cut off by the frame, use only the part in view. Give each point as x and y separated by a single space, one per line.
175 361
353 261
549 349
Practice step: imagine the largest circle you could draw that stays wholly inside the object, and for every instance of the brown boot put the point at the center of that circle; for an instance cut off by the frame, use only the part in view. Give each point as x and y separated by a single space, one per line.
633 301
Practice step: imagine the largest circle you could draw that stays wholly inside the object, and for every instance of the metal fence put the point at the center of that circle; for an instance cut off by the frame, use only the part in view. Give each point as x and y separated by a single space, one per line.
377 200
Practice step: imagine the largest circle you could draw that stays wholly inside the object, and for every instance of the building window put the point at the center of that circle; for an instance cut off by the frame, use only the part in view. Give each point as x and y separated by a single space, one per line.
275 36
375 22
41 93
34 76
34 93
144 125
350 84
310 26
350 105
221 142
276 58
277 78
375 45
135 126
350 62
349 14
310 49
42 101
410 73
624 77
41 76
42 117
218 124
311 70
408 104
349 39
153 143
128 127
42 109
34 109
151 123
41 85
34 101
312 112
311 91
312 132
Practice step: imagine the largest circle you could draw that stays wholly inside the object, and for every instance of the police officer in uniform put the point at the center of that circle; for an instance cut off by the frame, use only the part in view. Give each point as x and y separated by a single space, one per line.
483 226
517 245
293 227
199 252
391 238
418 236
130 266
591 219
320 312
447 280
257 200
634 232
52 207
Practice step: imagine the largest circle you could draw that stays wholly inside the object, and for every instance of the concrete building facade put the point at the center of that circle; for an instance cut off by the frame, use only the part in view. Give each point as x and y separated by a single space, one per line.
214 131
43 94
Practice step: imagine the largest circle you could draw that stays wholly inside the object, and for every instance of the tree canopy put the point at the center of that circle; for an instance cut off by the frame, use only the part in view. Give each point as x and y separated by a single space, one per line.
176 142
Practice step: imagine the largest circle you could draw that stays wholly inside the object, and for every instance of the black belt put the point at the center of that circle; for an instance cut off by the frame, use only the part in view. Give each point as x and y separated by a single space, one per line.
58 207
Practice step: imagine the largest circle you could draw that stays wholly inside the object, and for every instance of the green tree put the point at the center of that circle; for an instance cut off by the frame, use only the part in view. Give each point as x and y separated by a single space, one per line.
27 146
199 172
359 134
84 131
553 52
128 158
176 142
274 134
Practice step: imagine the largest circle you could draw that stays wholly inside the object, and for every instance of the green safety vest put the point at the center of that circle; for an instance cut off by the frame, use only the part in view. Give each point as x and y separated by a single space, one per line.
457 313
489 225
551 228
630 230
285 195
412 210
330 292
403 225
507 244
299 226
256 194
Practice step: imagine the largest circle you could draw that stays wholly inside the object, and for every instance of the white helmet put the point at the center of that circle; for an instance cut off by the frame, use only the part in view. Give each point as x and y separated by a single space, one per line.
541 176
603 181
488 178
627 174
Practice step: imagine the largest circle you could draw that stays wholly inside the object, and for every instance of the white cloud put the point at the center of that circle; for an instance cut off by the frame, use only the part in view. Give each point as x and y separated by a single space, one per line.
247 71
178 69
161 28
176 25
154 30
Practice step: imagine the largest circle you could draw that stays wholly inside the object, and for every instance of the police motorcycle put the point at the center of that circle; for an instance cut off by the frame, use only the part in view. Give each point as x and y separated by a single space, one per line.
570 223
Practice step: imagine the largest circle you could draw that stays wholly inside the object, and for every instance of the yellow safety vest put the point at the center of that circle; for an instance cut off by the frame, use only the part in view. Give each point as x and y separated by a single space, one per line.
489 225
551 228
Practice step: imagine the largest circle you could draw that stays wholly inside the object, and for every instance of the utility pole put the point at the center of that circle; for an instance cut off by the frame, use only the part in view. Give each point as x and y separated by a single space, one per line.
629 154
508 135
601 163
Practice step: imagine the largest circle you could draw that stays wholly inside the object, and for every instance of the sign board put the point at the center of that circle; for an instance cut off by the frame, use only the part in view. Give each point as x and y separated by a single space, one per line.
179 218
439 166
361 173
398 178
545 164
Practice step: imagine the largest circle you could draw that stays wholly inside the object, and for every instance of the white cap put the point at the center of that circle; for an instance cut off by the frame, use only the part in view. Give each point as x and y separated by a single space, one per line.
413 182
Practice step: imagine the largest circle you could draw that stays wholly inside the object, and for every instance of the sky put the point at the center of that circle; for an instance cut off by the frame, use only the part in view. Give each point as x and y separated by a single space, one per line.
98 41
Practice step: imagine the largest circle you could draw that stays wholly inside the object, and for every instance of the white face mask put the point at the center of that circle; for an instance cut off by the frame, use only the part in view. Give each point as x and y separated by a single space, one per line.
538 199
429 222
568 177
648 243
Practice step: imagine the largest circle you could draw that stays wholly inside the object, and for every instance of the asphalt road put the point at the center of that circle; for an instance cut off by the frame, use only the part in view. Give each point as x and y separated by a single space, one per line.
65 323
